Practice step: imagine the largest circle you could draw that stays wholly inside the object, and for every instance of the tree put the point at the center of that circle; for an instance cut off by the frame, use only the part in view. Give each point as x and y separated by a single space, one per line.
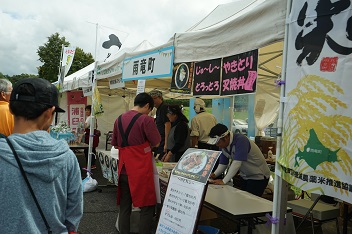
50 55
16 78
80 60
2 76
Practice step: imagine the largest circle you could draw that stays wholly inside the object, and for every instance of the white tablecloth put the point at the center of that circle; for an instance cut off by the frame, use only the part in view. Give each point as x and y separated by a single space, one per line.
108 166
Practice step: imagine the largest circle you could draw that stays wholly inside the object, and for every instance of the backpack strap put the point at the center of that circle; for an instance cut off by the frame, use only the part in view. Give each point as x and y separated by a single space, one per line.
27 182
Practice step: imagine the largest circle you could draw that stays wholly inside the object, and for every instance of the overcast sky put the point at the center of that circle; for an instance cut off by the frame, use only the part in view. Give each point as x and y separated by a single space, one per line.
26 25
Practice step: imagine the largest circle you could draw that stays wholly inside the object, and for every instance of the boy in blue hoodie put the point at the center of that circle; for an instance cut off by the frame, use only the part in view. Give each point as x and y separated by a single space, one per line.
51 167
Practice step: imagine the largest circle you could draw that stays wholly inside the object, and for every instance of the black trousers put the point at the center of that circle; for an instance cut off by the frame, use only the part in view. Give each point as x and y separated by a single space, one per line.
146 213
93 157
255 187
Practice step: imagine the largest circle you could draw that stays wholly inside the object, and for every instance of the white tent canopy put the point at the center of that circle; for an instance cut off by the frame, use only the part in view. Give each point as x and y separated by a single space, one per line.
108 69
229 29
232 28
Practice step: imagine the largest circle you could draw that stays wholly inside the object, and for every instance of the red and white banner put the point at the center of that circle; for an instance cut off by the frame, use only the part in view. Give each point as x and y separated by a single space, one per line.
316 153
76 104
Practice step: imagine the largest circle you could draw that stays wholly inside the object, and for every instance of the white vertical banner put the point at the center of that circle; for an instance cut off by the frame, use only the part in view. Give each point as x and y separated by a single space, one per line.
140 86
316 153
67 58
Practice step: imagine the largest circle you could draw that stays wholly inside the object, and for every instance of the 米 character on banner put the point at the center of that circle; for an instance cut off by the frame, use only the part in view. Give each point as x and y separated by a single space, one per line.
317 121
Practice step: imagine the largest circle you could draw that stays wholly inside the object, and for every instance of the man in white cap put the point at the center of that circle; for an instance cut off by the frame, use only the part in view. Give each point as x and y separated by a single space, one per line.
247 159
201 125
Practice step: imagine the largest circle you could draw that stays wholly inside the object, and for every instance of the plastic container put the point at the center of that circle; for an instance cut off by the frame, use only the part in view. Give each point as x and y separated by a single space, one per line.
270 153
159 166
208 230
114 153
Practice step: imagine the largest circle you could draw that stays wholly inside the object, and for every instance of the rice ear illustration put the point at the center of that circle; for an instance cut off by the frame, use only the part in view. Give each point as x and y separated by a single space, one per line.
312 127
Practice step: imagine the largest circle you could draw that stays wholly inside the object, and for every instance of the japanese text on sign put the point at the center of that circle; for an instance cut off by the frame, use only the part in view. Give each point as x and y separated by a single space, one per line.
180 206
207 77
239 73
140 66
154 64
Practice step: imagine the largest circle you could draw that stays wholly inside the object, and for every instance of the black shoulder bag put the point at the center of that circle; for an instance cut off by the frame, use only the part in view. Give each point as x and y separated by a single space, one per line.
28 184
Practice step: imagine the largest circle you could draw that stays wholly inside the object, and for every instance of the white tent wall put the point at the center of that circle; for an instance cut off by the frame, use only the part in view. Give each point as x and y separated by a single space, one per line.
113 107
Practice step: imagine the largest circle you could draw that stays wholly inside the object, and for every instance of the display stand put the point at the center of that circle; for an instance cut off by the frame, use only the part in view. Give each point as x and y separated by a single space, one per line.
186 191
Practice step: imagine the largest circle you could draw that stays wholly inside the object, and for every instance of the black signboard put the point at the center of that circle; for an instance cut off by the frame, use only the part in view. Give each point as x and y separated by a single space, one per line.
182 77
207 78
239 73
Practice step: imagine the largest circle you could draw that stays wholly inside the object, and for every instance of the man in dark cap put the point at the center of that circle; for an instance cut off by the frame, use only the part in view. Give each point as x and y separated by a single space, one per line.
247 159
50 166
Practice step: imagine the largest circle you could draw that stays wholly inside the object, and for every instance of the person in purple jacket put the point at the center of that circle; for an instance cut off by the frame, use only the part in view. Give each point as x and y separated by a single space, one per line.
246 158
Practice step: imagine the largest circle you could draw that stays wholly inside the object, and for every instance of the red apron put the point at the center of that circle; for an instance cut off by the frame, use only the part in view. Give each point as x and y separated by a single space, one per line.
137 160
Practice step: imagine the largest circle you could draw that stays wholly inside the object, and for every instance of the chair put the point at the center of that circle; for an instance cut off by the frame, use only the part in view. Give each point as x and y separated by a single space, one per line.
315 210
108 139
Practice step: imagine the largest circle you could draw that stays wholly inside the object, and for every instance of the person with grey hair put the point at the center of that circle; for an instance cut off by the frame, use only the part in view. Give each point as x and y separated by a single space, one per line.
6 118
162 121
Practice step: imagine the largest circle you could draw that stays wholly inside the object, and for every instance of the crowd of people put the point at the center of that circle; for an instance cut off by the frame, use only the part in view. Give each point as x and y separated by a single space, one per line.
48 174
134 136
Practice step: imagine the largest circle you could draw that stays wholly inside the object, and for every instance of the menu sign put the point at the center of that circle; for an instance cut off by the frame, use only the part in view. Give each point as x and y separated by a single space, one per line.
239 73
181 205
185 191
207 77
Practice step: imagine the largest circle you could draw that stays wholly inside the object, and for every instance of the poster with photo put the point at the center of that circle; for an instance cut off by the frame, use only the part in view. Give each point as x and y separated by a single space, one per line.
196 164
182 77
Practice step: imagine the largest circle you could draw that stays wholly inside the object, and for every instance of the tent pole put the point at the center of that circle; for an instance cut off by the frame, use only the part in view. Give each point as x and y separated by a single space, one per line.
270 59
280 186
92 121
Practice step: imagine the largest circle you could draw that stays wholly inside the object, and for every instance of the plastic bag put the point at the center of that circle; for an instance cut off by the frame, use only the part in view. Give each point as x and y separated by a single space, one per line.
89 184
